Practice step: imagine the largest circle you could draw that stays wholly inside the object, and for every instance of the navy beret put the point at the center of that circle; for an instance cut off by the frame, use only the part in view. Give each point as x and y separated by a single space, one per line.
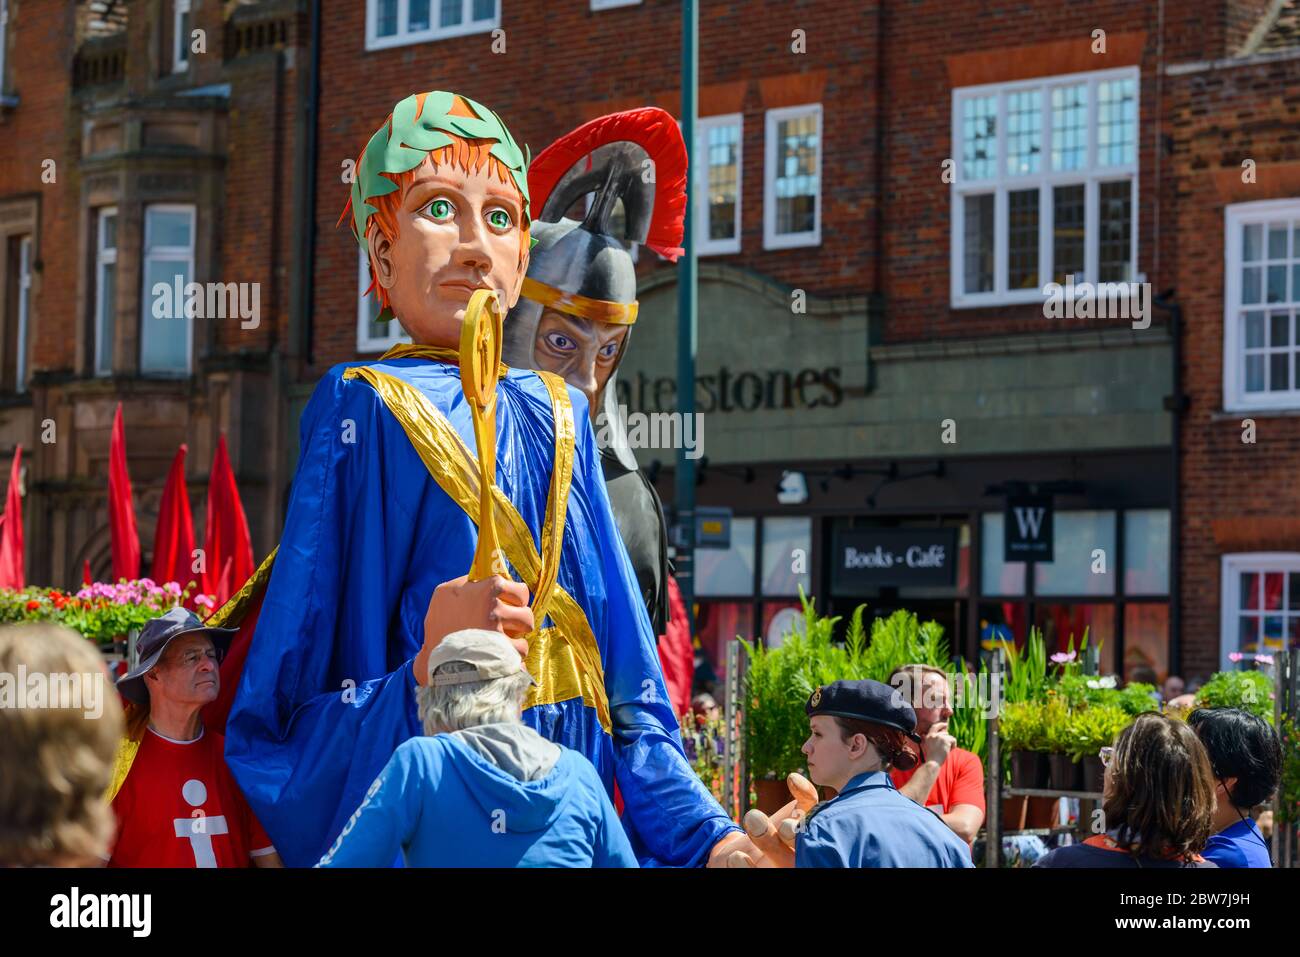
864 701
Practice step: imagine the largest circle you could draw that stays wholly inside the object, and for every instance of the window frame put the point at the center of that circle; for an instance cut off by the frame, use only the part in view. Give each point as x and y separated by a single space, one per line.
1232 565
180 46
771 239
104 257
1091 176
167 254
25 262
703 245
1236 217
4 43
405 37
366 343
613 4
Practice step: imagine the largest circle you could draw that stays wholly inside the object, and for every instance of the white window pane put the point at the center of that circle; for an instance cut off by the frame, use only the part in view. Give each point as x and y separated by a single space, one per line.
1024 132
164 342
979 137
108 236
787 545
1277 241
452 12
997 576
1022 239
104 315
167 228
1116 122
1251 285
419 15
1068 232
1077 539
1254 330
977 243
1252 242
485 9
385 18
1255 373
721 145
1070 127
1146 552
795 181
1115 252
728 571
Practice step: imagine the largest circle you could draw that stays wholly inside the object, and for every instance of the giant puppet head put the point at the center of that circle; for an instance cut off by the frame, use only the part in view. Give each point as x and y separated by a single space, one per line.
440 201
578 301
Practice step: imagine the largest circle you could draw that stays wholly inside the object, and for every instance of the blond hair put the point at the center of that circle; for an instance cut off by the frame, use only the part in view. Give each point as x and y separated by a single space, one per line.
56 759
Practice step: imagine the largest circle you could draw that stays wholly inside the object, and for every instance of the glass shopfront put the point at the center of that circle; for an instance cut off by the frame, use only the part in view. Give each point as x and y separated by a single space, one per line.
1109 579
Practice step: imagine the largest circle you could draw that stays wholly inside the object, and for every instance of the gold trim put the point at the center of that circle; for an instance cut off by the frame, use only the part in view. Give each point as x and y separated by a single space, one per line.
122 761
232 612
600 310
559 676
453 467
413 350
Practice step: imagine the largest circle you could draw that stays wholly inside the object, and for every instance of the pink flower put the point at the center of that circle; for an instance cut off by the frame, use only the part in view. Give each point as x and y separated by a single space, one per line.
204 601
1062 657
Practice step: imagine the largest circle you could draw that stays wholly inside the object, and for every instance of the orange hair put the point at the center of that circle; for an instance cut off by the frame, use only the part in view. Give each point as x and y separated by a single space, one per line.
463 154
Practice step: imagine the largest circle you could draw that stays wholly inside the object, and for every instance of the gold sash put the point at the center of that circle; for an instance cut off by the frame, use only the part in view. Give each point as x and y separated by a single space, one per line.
565 659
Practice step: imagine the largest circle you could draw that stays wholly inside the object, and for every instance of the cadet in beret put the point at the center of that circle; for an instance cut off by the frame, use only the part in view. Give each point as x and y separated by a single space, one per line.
860 731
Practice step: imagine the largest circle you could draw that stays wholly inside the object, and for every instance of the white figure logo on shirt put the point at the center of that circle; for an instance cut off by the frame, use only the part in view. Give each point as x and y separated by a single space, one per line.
200 828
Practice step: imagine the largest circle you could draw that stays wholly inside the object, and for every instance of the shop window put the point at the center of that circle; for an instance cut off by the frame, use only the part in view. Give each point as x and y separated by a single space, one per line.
779 619
1045 185
717 212
165 330
1261 301
787 551
1146 552
105 288
1061 623
1146 639
998 577
1085 556
792 177
717 625
373 335
391 23
728 571
1260 604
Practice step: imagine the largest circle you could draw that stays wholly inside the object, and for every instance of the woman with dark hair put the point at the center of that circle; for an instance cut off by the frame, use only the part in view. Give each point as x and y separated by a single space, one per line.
1246 759
1158 800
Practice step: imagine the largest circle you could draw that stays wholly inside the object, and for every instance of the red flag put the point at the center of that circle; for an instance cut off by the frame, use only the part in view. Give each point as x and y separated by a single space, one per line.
676 656
85 572
11 536
121 512
226 537
232 666
173 542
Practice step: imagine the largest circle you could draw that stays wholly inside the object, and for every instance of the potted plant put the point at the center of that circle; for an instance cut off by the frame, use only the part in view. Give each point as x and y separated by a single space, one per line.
1020 727
1091 729
1058 736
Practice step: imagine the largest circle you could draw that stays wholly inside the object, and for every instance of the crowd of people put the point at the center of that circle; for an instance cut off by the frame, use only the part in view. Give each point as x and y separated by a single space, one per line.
146 785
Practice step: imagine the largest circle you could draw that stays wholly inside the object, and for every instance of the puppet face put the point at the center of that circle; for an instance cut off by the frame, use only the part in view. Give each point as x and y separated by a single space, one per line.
583 352
458 231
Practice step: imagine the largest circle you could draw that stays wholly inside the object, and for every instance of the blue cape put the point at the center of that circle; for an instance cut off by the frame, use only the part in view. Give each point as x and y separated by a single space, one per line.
327 691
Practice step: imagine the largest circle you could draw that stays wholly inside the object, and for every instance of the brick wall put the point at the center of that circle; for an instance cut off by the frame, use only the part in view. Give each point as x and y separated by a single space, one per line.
1237 497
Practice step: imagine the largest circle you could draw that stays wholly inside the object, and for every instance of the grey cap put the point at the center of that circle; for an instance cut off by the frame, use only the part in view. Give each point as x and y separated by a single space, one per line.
490 652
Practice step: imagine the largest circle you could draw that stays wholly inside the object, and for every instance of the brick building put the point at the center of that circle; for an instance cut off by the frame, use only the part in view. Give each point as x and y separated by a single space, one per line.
142 142
881 193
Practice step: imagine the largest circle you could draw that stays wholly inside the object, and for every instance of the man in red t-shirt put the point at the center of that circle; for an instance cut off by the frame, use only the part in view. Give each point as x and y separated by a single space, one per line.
951 781
179 805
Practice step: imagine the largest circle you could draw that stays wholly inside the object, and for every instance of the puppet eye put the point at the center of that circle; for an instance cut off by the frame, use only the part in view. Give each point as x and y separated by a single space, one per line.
498 218
560 342
609 350
441 210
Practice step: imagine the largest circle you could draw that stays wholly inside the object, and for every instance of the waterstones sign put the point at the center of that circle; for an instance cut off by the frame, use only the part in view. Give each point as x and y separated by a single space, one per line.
864 558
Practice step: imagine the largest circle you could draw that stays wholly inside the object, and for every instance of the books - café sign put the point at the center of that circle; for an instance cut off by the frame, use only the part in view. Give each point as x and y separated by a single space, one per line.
874 557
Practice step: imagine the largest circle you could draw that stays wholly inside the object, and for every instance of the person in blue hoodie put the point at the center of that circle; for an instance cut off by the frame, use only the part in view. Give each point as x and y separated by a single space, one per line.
481 788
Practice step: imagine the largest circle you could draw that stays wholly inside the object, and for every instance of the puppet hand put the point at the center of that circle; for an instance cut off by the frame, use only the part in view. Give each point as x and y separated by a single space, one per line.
494 604
771 840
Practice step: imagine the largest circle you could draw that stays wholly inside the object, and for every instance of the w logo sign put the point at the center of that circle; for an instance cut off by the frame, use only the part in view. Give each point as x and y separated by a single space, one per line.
1027 530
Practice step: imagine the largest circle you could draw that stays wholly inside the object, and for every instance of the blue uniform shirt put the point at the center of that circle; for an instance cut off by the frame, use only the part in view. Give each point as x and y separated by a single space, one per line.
869 824
1238 845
